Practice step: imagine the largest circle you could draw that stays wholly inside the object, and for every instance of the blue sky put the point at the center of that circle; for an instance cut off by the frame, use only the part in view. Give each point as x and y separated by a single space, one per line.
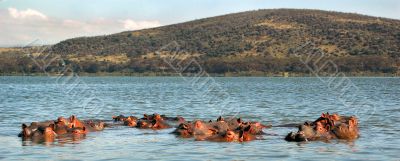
93 17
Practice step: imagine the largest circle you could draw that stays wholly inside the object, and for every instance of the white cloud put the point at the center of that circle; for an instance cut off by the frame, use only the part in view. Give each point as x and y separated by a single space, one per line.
20 27
29 13
137 25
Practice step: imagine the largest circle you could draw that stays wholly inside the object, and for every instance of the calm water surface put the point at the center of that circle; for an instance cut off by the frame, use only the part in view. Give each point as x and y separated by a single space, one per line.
270 100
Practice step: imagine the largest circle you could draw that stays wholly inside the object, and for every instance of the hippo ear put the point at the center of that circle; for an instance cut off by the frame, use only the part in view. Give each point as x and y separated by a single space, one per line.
220 118
210 121
24 126
72 118
352 123
239 120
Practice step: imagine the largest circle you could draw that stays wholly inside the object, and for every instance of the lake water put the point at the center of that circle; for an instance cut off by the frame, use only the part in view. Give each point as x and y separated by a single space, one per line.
270 100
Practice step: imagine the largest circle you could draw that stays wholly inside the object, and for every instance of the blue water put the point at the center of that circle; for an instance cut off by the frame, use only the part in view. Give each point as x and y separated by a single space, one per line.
270 100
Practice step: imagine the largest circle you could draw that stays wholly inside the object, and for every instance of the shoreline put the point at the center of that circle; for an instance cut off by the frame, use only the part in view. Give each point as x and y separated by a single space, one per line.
241 74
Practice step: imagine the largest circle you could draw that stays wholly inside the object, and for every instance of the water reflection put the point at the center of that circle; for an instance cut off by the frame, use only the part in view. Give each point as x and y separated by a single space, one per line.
60 140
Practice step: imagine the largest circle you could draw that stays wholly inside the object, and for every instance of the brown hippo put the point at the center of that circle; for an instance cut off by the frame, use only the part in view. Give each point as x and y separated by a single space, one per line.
61 128
27 131
120 118
178 119
45 134
79 131
246 135
325 128
158 122
130 121
228 136
347 131
154 122
144 124
94 125
184 130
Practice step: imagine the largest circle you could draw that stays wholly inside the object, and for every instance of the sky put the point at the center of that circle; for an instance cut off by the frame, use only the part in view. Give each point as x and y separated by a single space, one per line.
51 21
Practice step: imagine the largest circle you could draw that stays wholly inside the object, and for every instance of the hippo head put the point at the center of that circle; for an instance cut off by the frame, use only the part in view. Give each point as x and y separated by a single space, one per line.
297 137
184 130
158 123
118 118
143 124
74 122
325 121
79 131
198 124
353 122
300 136
245 135
335 117
98 126
319 127
130 122
49 131
26 131
62 120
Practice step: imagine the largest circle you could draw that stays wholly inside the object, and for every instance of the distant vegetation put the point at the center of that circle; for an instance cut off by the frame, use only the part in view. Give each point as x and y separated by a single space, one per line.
254 41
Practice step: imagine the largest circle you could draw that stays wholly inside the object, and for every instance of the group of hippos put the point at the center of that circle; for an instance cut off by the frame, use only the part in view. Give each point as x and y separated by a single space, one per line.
326 127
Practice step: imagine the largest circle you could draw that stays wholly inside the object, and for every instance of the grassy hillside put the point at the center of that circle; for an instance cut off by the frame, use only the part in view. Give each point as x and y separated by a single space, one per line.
261 41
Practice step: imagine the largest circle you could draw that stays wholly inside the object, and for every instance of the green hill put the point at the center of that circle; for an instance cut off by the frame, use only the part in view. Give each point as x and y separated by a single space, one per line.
254 41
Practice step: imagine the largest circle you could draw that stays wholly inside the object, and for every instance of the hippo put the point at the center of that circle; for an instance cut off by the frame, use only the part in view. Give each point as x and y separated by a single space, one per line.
78 131
184 129
178 119
227 136
94 125
43 134
130 121
206 129
221 130
61 128
246 135
144 124
159 124
154 122
325 128
120 118
27 131
347 131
